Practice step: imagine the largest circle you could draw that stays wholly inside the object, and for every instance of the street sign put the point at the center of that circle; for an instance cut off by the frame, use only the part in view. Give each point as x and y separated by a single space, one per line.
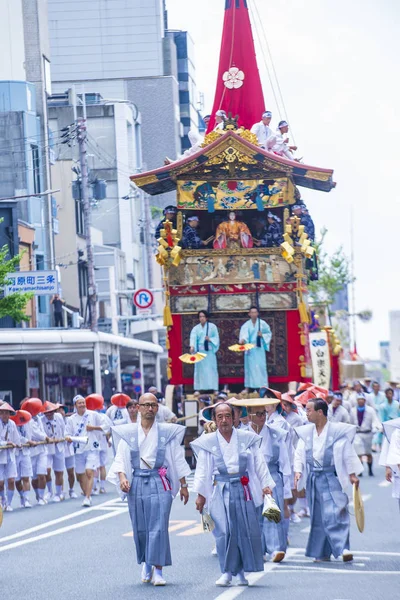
41 283
137 375
138 389
143 299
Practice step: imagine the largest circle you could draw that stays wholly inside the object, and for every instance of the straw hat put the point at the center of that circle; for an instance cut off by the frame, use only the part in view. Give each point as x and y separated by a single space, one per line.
7 407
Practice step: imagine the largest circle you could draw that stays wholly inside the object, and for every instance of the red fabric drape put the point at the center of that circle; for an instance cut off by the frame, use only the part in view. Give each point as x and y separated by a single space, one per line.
237 51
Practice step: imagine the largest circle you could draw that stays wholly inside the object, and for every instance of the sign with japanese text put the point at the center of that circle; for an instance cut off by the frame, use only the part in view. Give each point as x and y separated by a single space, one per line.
320 358
41 283
33 378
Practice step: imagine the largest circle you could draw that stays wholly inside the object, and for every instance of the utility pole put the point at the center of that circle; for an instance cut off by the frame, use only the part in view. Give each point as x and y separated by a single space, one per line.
92 297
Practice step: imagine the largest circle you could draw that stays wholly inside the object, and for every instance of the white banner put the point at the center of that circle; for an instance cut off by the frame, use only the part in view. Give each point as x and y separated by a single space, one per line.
41 283
320 358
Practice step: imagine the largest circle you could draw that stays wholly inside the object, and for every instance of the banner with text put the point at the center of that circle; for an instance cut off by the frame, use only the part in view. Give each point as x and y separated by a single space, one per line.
320 358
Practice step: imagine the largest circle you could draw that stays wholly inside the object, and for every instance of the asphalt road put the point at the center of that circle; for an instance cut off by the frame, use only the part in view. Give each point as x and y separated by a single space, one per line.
66 551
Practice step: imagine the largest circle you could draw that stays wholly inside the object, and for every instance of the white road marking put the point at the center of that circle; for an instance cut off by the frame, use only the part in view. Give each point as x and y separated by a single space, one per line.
73 515
49 534
306 529
384 483
340 571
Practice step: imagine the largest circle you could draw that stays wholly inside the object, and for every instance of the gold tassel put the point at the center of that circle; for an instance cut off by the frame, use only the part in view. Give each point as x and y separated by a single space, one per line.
303 313
168 322
303 339
169 373
167 342
303 371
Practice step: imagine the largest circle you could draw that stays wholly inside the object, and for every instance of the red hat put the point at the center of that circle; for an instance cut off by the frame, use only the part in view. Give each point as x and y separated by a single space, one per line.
34 406
21 417
305 397
49 407
6 406
120 400
94 402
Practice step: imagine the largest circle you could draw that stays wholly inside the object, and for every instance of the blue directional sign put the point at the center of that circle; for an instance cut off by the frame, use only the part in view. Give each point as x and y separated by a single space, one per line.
143 299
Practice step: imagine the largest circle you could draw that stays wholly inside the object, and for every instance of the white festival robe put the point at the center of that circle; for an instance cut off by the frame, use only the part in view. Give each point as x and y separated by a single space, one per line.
390 455
265 136
255 360
8 433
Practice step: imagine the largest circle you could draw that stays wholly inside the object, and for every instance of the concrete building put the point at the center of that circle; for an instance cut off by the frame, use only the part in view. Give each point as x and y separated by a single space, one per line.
122 52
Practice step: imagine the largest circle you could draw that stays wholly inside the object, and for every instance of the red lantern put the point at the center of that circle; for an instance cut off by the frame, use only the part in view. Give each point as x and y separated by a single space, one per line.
34 406
21 417
120 400
94 402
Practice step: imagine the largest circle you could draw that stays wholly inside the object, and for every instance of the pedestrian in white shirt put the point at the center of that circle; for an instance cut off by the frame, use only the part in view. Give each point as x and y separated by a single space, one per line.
54 427
85 423
8 470
264 133
23 457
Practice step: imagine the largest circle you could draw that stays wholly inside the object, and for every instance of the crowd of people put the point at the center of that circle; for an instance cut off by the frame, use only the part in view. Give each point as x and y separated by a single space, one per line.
40 443
261 463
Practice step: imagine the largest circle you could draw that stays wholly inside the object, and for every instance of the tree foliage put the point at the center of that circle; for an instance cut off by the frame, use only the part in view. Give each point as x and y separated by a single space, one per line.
13 305
334 273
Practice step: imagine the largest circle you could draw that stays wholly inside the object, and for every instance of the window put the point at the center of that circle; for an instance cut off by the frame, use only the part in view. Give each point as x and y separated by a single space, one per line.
35 169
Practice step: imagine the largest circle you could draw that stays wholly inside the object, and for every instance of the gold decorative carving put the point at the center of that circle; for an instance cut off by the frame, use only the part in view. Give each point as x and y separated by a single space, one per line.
145 180
318 175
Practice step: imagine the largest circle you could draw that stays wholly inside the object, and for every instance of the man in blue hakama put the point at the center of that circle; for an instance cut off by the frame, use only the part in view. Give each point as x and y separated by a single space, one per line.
150 468
231 478
204 338
325 464
257 332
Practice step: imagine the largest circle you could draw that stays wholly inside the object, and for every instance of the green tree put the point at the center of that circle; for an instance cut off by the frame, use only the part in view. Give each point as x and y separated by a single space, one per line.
12 305
334 273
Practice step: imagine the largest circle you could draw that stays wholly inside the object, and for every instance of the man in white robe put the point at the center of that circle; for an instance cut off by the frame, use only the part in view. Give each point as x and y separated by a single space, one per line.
54 427
367 423
336 412
220 117
257 332
9 436
85 423
325 463
262 130
150 468
281 145
230 480
390 455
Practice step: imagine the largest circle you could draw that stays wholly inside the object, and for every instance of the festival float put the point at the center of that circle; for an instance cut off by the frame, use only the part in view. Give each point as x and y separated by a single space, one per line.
232 187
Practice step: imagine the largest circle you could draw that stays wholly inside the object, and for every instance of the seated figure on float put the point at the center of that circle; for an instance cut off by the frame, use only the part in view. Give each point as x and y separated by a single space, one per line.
233 234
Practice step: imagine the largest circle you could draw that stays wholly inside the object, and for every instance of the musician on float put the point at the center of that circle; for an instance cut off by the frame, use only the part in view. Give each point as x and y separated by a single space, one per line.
258 332
204 338
169 213
190 238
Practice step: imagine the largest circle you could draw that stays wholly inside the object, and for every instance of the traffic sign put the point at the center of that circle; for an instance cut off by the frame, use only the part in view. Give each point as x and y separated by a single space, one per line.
138 389
137 375
143 299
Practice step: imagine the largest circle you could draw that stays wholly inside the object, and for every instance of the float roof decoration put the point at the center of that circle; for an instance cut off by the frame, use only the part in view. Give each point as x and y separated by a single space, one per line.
239 90
232 155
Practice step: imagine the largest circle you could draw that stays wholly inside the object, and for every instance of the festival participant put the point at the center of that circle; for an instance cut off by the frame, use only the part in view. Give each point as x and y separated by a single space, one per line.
325 463
257 332
204 338
274 230
390 455
70 456
39 450
132 409
169 213
164 414
105 444
85 423
117 415
308 223
376 397
336 412
281 146
276 456
150 467
230 480
54 427
367 423
190 238
220 117
264 133
23 457
8 470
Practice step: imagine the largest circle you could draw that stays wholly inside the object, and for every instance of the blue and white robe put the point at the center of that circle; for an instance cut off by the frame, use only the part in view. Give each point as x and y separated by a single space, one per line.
326 482
151 494
205 371
232 507
255 360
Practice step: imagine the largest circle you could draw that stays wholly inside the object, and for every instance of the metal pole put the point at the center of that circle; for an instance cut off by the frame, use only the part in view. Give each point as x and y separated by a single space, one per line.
81 127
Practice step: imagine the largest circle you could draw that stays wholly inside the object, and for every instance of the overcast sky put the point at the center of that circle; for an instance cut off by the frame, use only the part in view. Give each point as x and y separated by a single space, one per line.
338 67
